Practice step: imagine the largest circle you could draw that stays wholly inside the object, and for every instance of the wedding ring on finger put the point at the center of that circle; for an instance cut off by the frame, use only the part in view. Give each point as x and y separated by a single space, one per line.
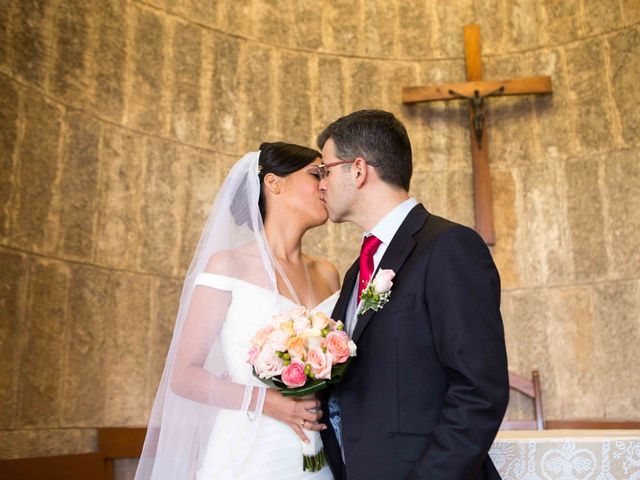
302 424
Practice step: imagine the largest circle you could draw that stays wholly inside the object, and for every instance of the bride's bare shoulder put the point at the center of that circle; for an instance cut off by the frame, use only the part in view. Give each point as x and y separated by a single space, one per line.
248 250
230 262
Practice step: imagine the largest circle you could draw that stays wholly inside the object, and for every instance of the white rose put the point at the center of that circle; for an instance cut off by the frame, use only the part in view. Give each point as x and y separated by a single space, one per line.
352 348
301 324
316 340
277 320
382 282
278 340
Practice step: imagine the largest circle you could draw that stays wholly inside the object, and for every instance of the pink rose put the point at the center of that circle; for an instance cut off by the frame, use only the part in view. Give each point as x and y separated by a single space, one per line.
382 282
293 374
262 335
320 364
319 320
338 346
267 363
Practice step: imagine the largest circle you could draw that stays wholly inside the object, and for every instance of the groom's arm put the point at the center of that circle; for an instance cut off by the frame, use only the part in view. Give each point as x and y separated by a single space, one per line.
463 297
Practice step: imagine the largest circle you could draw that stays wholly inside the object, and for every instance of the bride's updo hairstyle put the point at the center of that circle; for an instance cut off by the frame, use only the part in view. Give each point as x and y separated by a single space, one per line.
281 159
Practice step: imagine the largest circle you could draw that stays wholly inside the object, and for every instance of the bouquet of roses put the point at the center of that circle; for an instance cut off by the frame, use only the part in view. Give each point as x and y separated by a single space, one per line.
301 353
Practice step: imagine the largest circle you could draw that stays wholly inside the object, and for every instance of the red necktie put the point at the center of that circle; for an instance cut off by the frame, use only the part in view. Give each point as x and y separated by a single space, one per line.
370 245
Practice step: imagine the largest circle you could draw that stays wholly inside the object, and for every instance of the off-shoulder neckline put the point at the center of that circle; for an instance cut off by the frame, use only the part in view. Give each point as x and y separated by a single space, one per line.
251 284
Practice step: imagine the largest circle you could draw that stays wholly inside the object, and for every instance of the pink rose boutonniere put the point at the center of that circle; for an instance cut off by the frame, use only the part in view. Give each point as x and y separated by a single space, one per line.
377 292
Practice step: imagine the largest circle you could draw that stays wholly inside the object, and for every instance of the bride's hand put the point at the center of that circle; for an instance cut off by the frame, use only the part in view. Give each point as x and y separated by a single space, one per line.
298 413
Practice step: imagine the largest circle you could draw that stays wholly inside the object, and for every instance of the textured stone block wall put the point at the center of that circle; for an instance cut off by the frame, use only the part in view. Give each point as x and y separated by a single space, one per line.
120 119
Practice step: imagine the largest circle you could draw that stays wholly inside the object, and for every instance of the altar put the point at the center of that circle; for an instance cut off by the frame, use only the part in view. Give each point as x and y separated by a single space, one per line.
567 454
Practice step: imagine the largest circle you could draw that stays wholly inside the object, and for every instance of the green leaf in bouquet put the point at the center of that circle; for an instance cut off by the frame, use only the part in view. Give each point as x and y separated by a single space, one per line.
270 382
308 388
339 371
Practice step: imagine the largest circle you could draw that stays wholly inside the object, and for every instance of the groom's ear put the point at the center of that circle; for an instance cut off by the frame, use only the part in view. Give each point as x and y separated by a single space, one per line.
359 171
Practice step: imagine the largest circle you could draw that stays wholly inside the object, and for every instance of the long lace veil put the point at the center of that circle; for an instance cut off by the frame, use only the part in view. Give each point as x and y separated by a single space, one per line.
191 394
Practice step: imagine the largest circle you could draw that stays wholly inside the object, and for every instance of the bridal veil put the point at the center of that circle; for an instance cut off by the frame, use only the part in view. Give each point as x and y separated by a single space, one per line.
190 395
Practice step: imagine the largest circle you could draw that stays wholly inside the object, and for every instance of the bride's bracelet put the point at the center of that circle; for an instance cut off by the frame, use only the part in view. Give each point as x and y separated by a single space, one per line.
255 413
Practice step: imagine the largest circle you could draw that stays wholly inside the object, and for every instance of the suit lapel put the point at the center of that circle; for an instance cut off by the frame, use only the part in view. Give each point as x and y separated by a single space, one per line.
397 252
340 310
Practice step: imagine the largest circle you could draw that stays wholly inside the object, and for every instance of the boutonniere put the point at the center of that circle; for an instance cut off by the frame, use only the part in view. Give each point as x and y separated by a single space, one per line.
377 292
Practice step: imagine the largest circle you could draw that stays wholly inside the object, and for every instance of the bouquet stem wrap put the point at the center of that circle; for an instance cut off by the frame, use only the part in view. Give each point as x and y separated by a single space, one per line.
312 453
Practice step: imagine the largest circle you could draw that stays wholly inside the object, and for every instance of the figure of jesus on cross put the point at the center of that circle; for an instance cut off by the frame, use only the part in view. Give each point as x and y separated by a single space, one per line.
476 90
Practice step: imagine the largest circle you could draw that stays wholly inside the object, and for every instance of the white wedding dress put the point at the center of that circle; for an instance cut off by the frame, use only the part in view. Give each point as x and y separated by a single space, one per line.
276 450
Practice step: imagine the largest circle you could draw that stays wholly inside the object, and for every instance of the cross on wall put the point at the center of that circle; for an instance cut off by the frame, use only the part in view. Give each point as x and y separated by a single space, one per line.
475 91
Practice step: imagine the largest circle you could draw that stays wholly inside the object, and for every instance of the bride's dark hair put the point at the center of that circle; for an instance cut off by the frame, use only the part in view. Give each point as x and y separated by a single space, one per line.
279 158
282 159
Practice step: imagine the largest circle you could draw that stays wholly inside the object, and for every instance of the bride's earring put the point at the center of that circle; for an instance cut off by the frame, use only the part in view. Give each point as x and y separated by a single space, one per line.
273 183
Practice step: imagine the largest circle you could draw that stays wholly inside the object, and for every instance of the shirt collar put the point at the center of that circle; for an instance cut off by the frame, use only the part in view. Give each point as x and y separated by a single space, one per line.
386 228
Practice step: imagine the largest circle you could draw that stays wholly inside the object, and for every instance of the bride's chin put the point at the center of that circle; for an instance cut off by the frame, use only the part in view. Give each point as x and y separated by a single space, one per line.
320 221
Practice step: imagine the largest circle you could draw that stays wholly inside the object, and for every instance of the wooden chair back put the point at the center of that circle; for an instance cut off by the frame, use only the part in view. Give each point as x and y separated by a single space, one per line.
531 389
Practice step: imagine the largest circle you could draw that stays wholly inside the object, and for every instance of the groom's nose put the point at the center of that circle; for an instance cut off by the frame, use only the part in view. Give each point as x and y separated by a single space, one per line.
322 184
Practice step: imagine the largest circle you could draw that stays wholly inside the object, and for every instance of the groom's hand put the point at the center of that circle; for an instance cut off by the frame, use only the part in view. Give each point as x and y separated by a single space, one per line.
298 413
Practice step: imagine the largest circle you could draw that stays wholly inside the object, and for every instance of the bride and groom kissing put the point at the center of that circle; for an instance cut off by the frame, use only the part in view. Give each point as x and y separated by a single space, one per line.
427 391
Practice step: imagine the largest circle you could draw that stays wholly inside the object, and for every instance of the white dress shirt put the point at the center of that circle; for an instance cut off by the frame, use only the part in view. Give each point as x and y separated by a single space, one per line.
385 230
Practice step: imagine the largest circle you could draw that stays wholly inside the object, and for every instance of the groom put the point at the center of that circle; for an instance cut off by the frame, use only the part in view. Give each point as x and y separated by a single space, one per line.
428 389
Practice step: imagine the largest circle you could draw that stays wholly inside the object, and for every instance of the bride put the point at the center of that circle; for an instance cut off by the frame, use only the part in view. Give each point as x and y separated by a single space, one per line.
212 419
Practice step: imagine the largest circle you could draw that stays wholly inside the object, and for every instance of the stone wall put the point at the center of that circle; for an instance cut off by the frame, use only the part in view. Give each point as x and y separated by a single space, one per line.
120 119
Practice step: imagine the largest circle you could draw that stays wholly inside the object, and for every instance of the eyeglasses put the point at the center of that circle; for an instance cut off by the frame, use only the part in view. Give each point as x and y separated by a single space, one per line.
324 167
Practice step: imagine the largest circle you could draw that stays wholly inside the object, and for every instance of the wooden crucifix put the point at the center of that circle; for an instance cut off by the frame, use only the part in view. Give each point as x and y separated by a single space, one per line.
476 90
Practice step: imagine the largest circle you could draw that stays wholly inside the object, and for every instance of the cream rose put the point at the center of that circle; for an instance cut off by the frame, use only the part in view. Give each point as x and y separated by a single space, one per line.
267 363
296 346
319 320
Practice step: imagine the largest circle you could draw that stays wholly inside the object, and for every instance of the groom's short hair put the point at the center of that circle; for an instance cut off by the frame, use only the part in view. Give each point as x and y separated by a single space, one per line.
378 137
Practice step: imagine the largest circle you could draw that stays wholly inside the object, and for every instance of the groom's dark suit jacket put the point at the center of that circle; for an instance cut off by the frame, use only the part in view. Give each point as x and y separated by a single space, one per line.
428 389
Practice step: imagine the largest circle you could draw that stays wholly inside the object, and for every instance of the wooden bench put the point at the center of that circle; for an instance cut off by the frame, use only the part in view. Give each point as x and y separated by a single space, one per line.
115 443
